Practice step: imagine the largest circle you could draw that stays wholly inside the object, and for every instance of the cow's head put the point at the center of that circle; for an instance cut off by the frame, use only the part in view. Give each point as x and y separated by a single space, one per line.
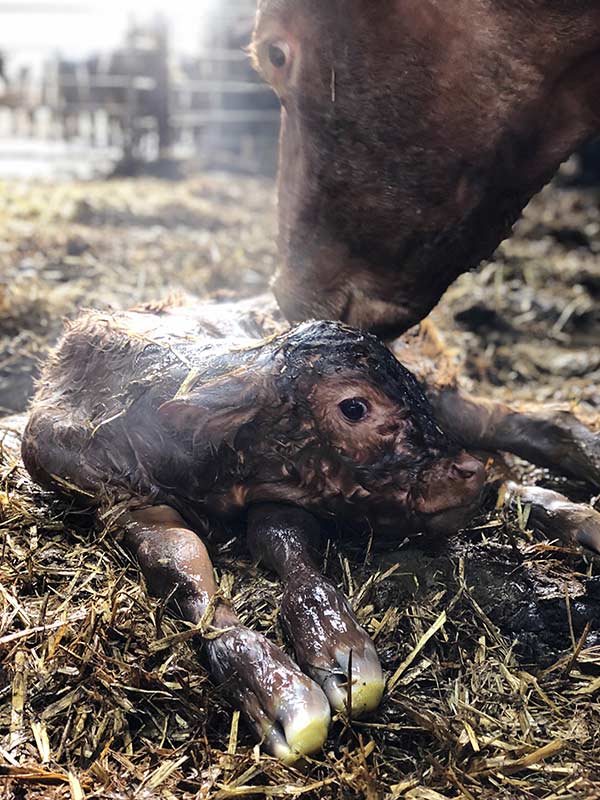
414 132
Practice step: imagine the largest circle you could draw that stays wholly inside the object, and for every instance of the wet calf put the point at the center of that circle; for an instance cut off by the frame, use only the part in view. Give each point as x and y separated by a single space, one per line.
193 416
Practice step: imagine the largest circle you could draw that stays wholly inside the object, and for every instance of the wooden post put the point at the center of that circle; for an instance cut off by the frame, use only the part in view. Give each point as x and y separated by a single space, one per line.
163 87
131 105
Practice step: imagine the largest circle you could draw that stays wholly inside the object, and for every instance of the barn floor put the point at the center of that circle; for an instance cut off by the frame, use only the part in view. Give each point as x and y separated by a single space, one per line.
103 694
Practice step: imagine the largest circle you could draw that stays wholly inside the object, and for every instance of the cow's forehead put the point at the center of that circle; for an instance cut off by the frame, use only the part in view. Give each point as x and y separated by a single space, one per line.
321 13
279 12
283 8
274 6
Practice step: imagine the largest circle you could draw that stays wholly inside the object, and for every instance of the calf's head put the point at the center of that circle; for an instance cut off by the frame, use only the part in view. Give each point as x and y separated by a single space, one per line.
327 419
413 133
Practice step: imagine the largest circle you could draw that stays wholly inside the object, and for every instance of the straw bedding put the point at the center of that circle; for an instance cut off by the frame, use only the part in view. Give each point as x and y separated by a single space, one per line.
104 694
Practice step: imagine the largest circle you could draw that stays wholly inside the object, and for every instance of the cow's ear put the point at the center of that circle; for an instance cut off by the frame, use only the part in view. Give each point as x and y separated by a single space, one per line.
214 412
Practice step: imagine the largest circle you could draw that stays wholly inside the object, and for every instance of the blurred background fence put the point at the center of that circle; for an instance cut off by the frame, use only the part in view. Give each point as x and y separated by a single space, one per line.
174 85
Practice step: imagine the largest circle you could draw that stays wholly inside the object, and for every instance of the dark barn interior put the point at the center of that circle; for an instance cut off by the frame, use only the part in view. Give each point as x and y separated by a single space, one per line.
144 171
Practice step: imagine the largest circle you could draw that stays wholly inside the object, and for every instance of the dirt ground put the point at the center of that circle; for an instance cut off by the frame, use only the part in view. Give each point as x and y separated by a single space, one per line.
103 694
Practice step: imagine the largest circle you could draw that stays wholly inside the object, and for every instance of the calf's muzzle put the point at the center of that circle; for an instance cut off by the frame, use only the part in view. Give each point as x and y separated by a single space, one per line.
449 492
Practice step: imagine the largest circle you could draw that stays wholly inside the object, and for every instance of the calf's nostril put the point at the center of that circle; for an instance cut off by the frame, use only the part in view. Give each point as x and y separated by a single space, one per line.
467 468
461 472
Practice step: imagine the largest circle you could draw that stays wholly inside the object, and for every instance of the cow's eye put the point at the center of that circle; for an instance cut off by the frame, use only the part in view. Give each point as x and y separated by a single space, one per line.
355 409
278 55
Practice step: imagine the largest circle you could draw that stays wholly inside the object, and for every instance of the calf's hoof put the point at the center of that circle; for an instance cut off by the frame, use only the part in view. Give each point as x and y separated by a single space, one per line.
354 682
287 709
331 646
581 448
557 517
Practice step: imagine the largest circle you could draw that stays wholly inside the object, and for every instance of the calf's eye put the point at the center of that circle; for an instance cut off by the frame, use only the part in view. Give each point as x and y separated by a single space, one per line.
277 56
355 409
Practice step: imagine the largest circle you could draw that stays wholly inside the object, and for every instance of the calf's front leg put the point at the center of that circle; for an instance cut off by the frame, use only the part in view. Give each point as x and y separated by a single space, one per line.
287 709
556 516
329 644
539 434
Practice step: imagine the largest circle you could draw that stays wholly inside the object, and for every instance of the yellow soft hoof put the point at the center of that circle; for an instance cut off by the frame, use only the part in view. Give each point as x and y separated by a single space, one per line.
308 735
304 734
367 695
367 688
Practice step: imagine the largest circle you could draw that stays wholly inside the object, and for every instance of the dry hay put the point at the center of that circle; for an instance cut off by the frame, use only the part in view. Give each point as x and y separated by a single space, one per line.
116 244
104 693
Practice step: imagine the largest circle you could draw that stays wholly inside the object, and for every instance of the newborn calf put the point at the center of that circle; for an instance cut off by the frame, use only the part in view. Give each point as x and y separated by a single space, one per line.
190 417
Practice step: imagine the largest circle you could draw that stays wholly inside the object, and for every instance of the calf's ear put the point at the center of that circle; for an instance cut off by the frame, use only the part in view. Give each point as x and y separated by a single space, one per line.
214 412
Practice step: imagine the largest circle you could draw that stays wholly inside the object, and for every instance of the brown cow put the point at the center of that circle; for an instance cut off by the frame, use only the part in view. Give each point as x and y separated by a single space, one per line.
414 133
